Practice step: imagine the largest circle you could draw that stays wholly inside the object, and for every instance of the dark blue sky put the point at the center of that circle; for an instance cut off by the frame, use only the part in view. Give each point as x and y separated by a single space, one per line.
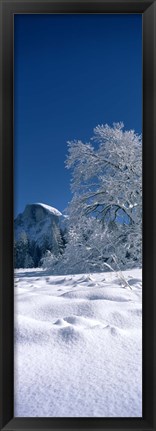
72 72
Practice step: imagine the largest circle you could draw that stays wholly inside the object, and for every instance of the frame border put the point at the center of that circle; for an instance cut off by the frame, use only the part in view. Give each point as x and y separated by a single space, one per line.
7 10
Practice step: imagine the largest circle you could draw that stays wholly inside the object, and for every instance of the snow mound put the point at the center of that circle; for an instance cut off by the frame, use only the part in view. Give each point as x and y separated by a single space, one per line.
70 335
78 345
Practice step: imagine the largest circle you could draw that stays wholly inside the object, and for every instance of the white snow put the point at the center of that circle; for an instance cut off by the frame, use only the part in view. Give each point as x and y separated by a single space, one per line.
49 208
78 345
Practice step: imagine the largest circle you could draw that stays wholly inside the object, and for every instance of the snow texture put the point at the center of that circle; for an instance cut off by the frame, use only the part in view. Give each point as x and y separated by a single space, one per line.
78 345
50 209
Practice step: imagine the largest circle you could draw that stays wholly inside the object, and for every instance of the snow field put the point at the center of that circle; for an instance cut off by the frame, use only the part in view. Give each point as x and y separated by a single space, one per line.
78 345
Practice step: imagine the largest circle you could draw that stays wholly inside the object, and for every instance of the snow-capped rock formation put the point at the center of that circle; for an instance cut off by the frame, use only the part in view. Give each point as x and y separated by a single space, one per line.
37 230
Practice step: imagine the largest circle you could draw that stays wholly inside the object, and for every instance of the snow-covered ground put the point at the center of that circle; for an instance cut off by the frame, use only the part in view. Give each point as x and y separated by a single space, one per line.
78 345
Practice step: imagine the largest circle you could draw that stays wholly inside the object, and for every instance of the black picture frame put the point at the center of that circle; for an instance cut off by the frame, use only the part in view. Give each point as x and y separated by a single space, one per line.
148 10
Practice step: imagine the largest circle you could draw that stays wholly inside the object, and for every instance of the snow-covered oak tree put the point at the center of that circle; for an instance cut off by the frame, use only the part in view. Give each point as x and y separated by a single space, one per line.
107 183
84 251
50 260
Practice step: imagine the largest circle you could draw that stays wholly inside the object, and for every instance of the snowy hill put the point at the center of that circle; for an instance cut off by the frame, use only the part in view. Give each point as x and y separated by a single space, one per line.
78 344
36 230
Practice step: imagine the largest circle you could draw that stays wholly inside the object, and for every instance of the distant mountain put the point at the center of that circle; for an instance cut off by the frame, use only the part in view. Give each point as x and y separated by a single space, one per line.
36 230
